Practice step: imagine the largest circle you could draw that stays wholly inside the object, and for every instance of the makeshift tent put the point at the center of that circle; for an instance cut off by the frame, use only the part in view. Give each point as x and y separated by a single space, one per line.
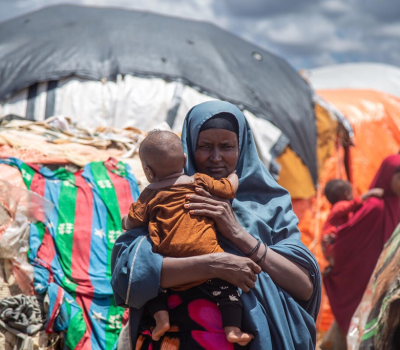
369 97
352 90
138 68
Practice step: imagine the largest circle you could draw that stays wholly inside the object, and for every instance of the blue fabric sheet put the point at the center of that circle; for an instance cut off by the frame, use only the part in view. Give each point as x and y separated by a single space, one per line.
264 209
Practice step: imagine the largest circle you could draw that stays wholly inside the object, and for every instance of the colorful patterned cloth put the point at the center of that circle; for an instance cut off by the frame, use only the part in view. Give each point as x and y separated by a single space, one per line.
376 322
196 324
71 250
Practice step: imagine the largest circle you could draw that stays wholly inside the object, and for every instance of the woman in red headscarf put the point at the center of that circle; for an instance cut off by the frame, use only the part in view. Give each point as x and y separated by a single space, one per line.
360 241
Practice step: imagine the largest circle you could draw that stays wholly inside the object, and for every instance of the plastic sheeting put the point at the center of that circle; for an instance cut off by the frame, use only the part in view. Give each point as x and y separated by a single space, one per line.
294 175
23 207
23 202
375 118
101 43
131 102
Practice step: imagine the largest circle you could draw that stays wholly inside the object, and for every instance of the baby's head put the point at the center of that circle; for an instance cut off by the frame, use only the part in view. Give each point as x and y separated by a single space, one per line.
161 154
338 190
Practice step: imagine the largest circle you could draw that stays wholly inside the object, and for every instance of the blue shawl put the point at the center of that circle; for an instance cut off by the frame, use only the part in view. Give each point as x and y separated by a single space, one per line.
264 209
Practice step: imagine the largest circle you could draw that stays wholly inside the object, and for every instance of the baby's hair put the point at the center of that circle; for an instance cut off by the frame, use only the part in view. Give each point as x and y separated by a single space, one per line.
335 190
162 150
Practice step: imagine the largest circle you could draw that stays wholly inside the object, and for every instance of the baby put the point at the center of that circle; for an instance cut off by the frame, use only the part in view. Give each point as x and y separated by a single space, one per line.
175 233
340 194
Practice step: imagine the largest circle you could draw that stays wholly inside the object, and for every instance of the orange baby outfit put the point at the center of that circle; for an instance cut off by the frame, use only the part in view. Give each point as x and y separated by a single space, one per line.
173 231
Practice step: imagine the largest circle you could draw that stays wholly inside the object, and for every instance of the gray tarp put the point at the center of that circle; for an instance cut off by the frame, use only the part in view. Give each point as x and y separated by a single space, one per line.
98 43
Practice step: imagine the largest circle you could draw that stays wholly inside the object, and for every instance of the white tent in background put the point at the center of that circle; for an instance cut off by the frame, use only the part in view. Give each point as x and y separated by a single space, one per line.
371 76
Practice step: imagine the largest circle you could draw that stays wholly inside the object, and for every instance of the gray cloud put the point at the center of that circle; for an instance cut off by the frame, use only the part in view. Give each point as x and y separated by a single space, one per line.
306 33
260 8
328 32
387 10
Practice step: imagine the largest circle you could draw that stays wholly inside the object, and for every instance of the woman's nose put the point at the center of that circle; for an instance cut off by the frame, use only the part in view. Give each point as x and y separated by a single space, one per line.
215 156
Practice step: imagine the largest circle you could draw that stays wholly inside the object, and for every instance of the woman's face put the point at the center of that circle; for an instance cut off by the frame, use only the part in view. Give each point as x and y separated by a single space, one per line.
395 184
217 152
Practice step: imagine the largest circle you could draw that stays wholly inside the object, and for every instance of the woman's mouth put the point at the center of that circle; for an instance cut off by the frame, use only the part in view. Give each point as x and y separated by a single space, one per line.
216 170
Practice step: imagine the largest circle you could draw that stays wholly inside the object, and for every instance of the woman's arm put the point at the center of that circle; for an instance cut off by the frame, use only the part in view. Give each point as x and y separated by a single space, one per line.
236 270
138 272
285 273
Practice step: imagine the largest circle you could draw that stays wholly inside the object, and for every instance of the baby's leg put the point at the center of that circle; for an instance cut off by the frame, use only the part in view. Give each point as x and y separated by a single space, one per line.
158 308
235 335
162 324
228 300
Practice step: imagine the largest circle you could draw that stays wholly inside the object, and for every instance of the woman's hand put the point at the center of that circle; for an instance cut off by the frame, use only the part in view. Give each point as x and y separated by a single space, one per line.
285 273
239 271
218 209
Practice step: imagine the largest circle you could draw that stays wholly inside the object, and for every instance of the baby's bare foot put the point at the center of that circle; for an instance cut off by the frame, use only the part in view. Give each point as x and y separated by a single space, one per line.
235 335
162 325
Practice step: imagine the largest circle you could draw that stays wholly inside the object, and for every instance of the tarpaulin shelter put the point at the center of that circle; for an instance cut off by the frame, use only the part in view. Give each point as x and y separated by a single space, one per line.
131 62
368 96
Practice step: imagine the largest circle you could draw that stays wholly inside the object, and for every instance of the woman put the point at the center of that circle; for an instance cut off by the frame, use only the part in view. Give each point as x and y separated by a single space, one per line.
360 241
281 292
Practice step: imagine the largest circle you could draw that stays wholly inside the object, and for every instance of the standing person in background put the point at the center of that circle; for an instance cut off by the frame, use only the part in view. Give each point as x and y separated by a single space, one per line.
340 194
360 241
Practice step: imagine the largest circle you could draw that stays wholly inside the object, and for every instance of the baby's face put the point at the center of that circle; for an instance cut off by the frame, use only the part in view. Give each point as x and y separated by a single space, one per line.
349 194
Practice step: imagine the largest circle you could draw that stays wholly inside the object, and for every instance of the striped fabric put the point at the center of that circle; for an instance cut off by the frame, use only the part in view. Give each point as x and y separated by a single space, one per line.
71 251
376 322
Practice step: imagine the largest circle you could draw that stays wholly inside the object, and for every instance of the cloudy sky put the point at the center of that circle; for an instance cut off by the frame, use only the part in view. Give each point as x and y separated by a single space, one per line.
307 33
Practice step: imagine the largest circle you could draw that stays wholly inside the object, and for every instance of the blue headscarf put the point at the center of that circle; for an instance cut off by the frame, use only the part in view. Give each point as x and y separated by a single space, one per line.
262 206
264 209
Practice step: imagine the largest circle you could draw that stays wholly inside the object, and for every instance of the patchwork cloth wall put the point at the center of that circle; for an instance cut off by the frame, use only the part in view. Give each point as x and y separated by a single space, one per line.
376 322
71 249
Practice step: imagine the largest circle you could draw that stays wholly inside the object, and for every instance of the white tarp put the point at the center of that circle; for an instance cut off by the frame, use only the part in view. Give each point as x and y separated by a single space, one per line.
133 101
368 76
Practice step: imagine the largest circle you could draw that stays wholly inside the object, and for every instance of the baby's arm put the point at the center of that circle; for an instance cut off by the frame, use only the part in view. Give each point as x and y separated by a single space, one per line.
224 188
233 178
126 224
373 192
136 217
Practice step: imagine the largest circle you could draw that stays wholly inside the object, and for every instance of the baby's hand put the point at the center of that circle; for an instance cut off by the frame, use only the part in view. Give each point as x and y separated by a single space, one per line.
328 239
327 271
373 192
123 222
233 178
